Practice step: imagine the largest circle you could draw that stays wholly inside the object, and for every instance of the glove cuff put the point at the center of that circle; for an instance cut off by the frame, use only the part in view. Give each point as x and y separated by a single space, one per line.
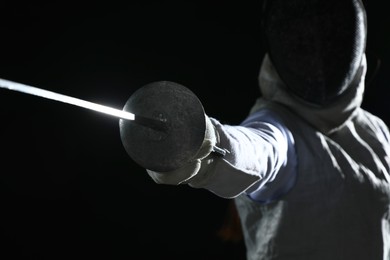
210 140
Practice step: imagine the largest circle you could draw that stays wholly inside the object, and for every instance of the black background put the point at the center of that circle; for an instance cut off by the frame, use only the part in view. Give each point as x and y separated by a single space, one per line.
68 189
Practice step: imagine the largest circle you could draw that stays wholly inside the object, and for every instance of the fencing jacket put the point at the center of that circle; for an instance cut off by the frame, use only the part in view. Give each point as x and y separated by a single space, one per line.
324 173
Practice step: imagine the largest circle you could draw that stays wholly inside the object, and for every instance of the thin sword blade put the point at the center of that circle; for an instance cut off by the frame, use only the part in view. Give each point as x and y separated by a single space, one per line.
7 84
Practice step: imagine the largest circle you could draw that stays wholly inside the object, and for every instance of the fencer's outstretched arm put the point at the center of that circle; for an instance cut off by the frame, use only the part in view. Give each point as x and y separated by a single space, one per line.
257 152
260 151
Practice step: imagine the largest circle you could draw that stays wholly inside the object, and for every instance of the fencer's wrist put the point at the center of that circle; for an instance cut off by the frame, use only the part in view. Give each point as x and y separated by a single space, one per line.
210 140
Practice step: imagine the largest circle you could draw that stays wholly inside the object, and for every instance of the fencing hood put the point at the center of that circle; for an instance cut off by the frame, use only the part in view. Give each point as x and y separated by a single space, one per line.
316 46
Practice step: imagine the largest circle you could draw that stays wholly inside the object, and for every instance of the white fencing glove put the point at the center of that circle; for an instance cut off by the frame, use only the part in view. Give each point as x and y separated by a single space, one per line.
188 171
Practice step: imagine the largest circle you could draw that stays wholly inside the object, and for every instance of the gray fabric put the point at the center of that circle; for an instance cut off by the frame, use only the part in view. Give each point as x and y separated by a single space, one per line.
339 207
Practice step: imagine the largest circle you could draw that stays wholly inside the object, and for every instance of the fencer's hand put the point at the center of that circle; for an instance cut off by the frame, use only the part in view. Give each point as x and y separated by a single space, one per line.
192 167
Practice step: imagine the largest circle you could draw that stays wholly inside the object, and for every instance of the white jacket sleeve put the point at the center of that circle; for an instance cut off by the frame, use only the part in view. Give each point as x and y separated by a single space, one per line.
255 154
